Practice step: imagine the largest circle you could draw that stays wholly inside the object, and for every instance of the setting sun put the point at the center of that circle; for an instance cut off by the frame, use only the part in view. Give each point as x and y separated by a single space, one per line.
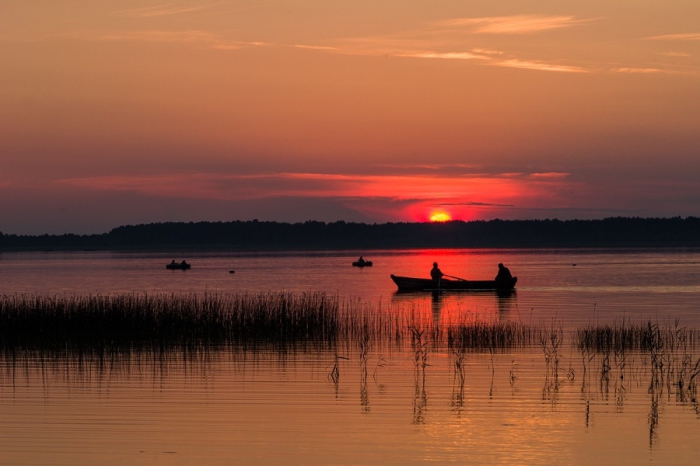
440 217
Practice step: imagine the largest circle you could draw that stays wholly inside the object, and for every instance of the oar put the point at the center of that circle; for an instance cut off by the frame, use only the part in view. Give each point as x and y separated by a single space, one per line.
457 278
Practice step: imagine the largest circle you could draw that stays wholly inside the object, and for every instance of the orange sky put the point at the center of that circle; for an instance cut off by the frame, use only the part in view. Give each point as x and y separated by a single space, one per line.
119 112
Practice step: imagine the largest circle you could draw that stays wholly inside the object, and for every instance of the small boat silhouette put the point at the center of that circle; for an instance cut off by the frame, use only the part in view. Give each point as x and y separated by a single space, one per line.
178 266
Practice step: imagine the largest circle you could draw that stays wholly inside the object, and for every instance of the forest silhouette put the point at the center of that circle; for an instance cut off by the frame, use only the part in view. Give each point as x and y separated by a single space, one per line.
259 235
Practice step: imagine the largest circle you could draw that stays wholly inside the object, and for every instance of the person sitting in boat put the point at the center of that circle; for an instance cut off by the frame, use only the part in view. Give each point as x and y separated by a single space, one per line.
184 264
360 260
173 262
503 274
435 273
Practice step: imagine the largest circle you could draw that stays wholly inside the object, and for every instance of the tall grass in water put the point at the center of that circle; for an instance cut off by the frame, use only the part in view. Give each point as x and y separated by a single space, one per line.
280 319
670 350
481 336
188 321
158 328
673 368
628 336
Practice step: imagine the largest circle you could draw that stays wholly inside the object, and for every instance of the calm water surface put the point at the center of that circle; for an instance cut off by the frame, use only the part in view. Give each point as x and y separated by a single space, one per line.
570 286
271 408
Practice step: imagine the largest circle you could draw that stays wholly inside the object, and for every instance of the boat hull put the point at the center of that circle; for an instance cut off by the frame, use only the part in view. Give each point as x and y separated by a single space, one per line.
426 284
362 264
178 266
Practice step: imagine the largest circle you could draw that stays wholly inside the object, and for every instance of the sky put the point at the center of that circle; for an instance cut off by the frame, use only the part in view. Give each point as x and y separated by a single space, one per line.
125 112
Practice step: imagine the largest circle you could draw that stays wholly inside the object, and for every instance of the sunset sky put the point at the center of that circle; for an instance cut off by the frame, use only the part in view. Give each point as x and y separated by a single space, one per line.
122 112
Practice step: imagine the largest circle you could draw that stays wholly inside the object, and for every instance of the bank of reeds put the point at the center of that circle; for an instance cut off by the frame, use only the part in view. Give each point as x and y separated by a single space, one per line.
480 335
627 336
168 321
284 320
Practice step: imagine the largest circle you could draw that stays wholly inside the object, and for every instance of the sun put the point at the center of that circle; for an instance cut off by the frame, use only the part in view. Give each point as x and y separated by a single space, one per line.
440 217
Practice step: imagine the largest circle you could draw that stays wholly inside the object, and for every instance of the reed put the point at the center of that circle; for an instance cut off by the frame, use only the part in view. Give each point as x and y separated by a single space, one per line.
188 321
124 324
479 336
622 336
104 334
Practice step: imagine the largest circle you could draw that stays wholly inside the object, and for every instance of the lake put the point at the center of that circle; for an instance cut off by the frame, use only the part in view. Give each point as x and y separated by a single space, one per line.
384 406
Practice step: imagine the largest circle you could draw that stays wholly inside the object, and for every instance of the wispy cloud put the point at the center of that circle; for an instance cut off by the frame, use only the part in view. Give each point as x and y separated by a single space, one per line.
204 38
472 204
640 70
442 55
192 36
677 54
401 197
443 40
314 47
486 57
396 187
214 41
488 52
436 42
517 24
432 167
167 9
161 36
682 36
549 175
540 66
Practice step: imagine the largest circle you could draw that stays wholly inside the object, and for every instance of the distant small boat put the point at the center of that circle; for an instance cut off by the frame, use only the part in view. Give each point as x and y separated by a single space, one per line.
362 264
178 266
426 284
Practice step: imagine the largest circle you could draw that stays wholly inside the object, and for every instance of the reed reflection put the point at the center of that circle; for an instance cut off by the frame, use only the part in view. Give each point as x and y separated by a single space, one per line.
452 307
364 348
419 345
46 339
550 342
436 307
621 362
507 301
458 379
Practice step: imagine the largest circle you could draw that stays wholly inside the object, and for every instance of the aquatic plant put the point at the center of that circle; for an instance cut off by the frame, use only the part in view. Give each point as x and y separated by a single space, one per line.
481 335
458 379
624 336
97 323
123 324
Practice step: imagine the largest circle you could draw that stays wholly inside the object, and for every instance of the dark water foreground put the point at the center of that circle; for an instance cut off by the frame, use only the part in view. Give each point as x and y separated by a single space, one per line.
303 378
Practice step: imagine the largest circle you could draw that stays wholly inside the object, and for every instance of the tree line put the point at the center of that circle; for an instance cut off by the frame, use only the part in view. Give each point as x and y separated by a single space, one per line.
259 235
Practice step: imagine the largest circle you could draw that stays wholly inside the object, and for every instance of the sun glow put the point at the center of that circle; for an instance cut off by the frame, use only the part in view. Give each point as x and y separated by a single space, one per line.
440 217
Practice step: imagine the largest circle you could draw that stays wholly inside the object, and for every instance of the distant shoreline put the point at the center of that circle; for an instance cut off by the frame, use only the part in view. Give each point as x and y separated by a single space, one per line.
251 236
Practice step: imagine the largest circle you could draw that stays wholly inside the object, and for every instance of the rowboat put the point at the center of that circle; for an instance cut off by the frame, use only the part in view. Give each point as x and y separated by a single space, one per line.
362 264
426 284
181 266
